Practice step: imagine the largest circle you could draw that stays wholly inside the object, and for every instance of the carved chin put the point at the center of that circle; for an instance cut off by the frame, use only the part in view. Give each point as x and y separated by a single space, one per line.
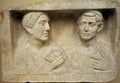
44 38
86 37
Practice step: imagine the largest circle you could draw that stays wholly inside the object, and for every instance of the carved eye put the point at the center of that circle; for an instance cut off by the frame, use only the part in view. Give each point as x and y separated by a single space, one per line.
42 23
92 23
82 23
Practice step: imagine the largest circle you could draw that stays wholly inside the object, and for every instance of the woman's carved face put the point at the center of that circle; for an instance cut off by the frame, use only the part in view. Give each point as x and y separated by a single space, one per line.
41 28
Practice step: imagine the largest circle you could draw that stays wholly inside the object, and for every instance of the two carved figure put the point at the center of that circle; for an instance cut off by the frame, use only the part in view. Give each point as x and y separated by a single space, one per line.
37 56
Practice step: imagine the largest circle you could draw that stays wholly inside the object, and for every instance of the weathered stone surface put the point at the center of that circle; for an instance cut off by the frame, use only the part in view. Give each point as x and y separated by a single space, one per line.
63 41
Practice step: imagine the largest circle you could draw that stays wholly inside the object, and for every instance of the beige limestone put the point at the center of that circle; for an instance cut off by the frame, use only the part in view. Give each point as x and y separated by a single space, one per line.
72 49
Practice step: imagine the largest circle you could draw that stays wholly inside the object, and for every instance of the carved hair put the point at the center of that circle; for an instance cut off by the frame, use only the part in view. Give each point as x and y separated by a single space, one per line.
93 13
31 18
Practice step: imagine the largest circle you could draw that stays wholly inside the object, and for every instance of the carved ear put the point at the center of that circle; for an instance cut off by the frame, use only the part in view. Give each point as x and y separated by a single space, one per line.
28 29
1 17
100 27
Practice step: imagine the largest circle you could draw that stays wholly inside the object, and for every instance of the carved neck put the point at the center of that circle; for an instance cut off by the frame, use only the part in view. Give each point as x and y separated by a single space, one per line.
36 43
90 42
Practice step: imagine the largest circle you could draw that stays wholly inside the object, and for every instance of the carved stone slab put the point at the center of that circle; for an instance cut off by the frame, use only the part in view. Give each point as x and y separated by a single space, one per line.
61 41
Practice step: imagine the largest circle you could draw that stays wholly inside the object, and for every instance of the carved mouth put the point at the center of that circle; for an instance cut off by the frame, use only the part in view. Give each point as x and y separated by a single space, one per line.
86 34
45 34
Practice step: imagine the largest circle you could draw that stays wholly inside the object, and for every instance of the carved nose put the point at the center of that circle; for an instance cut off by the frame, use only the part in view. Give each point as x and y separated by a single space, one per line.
47 27
86 28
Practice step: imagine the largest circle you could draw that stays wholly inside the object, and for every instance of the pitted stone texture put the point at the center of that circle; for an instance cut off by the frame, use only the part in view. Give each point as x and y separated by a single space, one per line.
69 51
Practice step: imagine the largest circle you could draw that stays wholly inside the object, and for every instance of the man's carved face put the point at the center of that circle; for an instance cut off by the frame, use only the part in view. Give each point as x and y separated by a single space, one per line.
88 27
41 28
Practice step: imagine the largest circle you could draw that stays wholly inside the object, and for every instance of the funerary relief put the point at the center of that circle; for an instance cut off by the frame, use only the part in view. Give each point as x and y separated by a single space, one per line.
61 41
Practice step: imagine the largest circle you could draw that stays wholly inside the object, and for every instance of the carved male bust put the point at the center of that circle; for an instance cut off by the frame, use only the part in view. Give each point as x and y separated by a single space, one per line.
91 55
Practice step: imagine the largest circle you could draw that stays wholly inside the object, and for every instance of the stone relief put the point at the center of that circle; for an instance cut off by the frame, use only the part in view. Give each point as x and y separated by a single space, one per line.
35 55
49 43
91 55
